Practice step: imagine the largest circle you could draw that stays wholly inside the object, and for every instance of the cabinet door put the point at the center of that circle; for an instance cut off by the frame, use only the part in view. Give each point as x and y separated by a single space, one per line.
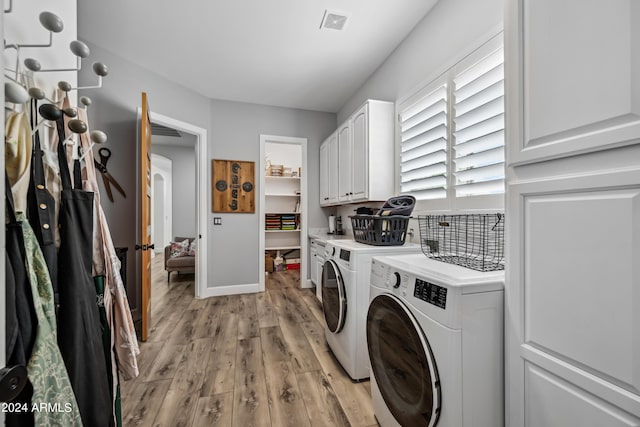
333 169
573 213
313 251
360 162
318 265
324 173
345 163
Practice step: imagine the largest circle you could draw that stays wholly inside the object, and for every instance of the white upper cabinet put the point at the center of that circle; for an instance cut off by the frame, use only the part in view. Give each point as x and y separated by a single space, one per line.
324 173
580 83
365 156
329 171
345 163
360 167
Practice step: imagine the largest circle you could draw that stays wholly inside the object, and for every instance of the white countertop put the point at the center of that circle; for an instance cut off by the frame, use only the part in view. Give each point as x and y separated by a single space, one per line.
323 236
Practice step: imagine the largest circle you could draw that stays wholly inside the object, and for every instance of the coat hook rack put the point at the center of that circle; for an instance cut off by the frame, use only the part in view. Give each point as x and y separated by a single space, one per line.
97 137
39 95
100 70
79 49
51 22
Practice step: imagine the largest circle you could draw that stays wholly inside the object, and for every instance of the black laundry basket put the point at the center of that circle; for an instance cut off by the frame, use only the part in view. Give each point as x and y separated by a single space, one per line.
390 230
474 241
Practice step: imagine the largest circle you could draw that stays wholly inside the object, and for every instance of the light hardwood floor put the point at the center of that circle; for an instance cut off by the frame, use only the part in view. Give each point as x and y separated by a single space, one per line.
243 360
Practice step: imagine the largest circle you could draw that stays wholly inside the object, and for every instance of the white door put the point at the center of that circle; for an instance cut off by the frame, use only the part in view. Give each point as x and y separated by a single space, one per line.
345 162
333 169
573 213
324 173
360 161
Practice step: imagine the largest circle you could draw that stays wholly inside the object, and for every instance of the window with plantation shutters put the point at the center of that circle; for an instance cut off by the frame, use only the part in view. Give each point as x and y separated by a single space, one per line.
479 127
423 145
451 148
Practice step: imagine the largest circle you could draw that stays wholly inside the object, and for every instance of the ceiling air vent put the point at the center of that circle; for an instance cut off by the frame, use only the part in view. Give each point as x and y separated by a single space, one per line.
157 129
334 20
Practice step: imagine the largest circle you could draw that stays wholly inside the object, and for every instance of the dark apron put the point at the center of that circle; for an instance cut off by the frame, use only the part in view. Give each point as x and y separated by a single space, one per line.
41 209
79 330
20 312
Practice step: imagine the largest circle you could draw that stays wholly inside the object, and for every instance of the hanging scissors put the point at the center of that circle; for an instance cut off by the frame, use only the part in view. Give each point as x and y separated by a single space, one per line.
107 179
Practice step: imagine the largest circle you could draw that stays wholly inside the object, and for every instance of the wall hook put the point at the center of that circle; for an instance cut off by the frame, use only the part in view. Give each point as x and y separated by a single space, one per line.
79 49
51 22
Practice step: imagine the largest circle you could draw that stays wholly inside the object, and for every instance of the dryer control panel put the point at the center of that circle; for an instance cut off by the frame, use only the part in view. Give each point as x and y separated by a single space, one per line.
431 293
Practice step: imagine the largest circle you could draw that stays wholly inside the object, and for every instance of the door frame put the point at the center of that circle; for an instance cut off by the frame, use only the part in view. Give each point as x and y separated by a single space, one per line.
304 195
201 193
162 166
3 288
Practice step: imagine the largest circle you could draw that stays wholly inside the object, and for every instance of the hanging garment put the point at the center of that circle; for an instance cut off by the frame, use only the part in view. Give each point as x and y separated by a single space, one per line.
41 208
79 330
18 157
21 319
123 334
51 388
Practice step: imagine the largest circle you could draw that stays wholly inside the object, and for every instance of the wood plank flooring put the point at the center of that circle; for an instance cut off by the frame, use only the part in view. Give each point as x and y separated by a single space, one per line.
241 360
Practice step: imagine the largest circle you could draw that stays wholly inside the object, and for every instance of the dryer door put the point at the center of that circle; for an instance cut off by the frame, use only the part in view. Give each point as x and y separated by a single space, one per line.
334 296
402 363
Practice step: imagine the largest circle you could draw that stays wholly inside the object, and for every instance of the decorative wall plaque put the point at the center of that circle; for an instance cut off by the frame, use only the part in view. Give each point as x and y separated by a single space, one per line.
233 189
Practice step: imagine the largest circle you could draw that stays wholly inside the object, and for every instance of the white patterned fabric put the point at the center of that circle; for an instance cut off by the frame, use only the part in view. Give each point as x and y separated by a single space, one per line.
17 148
179 249
192 248
46 369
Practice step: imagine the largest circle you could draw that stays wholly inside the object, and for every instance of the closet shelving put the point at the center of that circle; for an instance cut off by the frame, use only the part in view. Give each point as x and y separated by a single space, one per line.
282 215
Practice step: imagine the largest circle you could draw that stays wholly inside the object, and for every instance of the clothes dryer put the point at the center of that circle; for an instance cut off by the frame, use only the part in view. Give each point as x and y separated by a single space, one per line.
435 342
345 298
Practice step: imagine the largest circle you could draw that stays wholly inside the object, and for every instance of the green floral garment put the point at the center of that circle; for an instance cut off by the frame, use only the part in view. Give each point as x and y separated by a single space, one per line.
53 401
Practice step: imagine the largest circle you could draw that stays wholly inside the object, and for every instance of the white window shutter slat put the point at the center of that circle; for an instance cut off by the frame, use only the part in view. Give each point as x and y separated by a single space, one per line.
451 134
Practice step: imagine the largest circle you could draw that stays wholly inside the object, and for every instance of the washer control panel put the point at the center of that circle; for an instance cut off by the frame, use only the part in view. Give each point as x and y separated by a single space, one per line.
431 293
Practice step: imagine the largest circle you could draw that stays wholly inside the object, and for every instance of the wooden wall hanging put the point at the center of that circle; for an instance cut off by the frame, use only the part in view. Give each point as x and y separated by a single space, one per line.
233 189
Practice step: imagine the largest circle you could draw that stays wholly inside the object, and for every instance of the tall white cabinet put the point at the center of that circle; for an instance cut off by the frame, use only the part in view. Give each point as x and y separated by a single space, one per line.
573 213
329 170
358 159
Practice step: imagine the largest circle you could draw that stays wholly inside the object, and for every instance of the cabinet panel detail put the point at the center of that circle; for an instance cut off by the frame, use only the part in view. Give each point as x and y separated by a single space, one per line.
580 77
584 246
552 401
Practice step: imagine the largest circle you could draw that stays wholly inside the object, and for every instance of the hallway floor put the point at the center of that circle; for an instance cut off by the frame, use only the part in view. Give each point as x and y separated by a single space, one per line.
243 360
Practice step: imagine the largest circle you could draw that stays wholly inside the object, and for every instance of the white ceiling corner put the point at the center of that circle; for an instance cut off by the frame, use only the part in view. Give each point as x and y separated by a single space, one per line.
264 52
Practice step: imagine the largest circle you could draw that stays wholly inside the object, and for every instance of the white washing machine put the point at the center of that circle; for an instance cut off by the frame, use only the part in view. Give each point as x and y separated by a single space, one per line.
345 299
435 342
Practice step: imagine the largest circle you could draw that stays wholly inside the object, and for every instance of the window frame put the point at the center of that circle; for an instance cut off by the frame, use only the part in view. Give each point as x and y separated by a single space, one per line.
476 203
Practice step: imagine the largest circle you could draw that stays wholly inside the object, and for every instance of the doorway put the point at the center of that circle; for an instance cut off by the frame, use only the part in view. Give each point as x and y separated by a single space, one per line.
192 138
283 207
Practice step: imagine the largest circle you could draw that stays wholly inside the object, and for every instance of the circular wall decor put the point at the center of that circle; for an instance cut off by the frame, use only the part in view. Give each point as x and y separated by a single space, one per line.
221 185
247 186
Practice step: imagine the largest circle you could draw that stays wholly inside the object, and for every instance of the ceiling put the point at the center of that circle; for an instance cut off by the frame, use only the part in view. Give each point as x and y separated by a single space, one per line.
266 52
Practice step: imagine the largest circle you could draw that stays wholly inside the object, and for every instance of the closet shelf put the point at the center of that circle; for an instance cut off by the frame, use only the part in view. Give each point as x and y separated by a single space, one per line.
281 195
282 177
282 248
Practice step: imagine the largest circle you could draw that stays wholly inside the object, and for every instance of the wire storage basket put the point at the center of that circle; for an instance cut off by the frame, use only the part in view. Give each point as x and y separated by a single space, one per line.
474 241
386 230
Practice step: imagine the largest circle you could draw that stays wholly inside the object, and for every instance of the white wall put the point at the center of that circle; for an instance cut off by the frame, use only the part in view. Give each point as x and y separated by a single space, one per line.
183 185
451 27
22 26
235 135
286 155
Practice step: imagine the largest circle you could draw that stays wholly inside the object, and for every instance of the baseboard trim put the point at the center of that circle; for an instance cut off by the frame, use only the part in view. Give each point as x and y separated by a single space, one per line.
307 284
216 291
